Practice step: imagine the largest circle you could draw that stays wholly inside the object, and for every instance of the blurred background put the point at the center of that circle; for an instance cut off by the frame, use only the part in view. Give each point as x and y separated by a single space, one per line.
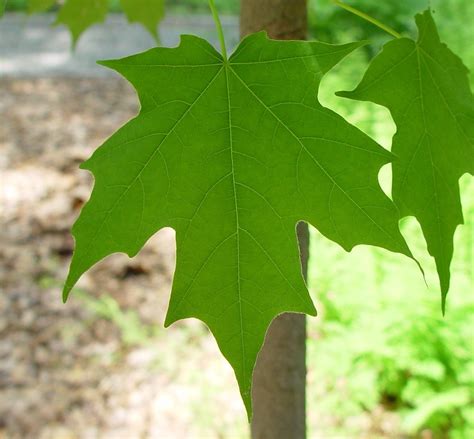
382 361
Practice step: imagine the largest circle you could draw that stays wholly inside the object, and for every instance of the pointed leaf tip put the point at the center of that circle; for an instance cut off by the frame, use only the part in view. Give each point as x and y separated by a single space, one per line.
66 291
443 304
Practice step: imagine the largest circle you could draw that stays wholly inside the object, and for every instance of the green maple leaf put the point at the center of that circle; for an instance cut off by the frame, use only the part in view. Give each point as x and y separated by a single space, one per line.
232 153
35 6
426 88
78 15
146 12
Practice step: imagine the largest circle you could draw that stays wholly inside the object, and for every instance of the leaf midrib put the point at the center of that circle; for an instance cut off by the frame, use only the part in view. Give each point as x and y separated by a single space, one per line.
440 235
234 188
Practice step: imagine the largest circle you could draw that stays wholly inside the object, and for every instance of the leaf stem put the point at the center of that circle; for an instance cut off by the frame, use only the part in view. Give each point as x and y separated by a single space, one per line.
220 32
367 17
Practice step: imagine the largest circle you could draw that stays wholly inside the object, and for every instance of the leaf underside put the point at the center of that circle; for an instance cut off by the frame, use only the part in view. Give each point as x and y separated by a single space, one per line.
426 88
232 155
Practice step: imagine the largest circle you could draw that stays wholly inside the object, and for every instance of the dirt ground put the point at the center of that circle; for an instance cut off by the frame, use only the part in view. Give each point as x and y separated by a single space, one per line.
92 368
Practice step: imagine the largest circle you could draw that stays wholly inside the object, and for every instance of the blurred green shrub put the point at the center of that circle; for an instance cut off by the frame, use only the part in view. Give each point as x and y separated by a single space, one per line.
328 22
403 356
382 343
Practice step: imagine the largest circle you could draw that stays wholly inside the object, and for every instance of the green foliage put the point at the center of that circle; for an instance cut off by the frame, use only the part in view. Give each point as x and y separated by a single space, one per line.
147 12
366 337
382 342
432 117
133 330
35 6
232 153
450 16
78 15
229 154
329 22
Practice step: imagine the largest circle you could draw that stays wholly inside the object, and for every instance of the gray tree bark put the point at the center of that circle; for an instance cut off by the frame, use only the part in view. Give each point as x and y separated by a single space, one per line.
279 379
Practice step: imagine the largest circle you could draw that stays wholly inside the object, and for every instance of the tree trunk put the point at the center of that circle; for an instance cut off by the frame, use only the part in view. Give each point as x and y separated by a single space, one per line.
279 379
282 19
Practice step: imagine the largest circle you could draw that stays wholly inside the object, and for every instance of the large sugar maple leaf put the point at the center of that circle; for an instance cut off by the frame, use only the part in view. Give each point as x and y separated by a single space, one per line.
426 88
232 153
